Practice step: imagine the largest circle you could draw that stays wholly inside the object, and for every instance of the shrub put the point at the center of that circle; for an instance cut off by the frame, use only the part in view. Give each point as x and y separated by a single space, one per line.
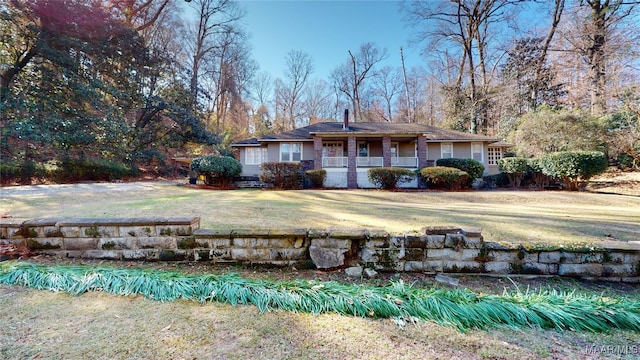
281 175
496 180
473 168
217 170
69 170
389 177
316 177
444 177
515 168
574 168
539 178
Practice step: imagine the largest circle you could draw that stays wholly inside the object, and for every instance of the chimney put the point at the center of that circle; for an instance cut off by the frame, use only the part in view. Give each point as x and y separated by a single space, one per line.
345 126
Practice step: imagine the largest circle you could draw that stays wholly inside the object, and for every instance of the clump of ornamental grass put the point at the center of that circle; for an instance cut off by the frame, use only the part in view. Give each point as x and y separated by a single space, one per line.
458 308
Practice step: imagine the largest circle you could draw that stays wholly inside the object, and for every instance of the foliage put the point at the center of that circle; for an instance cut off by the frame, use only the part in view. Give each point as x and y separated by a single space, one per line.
624 137
496 180
472 167
548 130
462 309
515 168
71 170
281 175
217 170
574 168
539 178
389 177
316 177
22 173
444 177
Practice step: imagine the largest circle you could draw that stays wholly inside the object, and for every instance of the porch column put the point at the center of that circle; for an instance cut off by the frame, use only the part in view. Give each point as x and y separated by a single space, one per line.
422 151
386 151
352 152
317 152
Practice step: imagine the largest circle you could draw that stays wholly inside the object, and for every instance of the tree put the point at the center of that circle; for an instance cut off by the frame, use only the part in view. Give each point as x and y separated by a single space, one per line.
386 86
290 91
351 77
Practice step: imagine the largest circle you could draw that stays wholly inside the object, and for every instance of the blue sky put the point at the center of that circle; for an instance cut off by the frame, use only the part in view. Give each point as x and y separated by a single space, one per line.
326 30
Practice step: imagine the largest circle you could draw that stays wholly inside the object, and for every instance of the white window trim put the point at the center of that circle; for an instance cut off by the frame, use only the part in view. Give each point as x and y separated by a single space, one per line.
442 150
481 151
397 146
498 153
251 160
290 159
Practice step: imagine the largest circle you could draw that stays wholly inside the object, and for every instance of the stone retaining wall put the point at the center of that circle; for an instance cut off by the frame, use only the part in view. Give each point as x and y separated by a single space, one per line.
436 250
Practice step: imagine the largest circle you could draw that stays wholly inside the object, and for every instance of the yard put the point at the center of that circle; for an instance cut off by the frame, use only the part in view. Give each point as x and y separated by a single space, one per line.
47 325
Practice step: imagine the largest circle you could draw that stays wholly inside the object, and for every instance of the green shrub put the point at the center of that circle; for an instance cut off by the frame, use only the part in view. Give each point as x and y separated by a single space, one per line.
281 175
473 168
69 170
217 170
539 178
515 168
438 177
316 177
389 177
496 180
574 168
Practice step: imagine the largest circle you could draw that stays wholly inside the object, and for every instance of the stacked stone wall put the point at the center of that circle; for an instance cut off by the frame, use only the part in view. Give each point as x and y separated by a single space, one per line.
434 250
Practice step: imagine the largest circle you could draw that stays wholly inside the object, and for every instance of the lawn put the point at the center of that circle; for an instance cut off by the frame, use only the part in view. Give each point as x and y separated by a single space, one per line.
527 217
49 325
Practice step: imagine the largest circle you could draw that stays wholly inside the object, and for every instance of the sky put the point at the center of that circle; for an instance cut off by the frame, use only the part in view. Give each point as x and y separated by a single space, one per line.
326 30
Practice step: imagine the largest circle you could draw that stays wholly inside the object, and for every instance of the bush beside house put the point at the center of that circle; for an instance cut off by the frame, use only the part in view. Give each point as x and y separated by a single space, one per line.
217 170
281 175
473 168
442 177
389 178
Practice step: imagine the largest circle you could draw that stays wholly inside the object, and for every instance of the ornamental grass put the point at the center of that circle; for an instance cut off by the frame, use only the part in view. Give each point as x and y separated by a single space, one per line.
459 308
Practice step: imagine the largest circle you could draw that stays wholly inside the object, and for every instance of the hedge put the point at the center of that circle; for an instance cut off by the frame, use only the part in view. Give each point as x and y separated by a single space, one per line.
316 177
515 168
473 168
281 175
444 177
389 177
574 168
217 170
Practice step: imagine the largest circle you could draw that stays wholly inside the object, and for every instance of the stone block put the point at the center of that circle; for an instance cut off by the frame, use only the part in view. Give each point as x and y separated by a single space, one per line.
70 231
461 267
81 243
535 268
138 231
414 254
332 243
373 234
379 243
220 254
591 257
326 258
505 255
435 241
472 232
280 243
498 267
580 270
354 271
348 234
456 241
473 242
219 243
157 243
387 266
174 230
117 243
413 266
620 270
73 254
397 241
452 254
101 254
147 254
37 244
441 230
550 257
300 242
212 233
175 255
419 242
250 254
287 254
433 265
288 233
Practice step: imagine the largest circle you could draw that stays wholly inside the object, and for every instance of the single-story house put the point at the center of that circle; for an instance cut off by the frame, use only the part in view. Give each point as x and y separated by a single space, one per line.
346 151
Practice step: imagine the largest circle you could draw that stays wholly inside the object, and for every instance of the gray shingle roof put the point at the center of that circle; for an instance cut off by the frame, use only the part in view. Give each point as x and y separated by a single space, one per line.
306 133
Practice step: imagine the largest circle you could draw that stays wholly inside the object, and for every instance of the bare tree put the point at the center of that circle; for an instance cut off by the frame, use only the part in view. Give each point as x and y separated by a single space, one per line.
386 87
299 67
214 18
350 78
317 101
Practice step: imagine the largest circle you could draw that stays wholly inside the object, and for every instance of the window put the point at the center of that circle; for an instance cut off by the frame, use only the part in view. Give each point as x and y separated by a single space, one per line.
332 149
395 149
290 152
255 156
446 150
476 151
363 149
493 155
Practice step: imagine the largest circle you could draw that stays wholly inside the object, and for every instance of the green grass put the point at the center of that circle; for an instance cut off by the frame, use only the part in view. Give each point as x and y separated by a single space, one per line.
458 308
529 217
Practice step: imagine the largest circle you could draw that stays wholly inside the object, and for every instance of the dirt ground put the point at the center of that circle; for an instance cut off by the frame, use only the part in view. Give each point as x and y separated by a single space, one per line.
616 182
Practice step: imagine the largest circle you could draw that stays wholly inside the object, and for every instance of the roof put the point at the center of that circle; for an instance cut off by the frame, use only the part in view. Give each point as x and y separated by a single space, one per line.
432 133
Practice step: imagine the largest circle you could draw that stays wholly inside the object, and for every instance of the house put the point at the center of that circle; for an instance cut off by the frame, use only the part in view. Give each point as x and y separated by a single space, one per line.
346 151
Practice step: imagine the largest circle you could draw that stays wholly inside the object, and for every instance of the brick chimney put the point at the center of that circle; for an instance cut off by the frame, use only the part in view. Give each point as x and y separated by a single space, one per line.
345 126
